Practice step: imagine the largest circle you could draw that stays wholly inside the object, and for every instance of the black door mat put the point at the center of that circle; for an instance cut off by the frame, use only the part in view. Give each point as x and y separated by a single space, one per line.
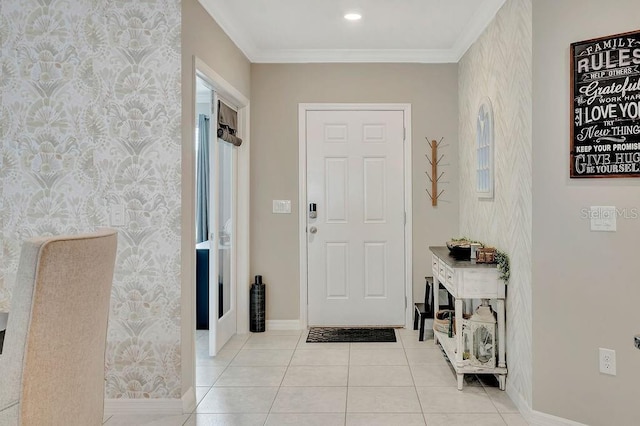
350 335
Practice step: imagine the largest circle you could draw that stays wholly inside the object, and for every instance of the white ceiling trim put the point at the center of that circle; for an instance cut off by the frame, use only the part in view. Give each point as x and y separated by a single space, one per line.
487 11
476 27
240 38
355 55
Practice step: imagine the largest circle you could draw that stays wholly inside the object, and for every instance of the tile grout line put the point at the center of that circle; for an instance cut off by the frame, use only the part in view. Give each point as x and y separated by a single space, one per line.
415 387
226 367
346 399
282 381
194 413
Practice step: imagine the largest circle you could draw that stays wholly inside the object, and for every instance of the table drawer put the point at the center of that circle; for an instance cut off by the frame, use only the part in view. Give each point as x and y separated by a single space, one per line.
434 265
442 268
449 276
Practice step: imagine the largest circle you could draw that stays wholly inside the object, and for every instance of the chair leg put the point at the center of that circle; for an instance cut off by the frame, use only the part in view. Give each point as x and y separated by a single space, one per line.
422 320
415 319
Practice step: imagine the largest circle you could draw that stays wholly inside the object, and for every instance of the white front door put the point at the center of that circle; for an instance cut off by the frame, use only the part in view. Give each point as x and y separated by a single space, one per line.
355 246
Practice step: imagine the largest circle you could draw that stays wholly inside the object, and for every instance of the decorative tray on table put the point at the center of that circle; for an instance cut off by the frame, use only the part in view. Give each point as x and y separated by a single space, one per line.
461 249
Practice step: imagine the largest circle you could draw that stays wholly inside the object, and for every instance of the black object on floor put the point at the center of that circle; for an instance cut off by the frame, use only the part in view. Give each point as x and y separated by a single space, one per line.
1 340
257 306
355 335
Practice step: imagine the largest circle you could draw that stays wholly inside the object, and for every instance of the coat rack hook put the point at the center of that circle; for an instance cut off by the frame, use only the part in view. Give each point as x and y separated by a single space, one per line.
434 176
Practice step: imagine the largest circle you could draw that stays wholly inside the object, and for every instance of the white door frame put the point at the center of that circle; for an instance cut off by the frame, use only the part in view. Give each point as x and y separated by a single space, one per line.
188 234
302 196
227 91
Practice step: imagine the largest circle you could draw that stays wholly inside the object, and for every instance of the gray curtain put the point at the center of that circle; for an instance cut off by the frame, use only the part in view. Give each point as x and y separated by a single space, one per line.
202 180
228 124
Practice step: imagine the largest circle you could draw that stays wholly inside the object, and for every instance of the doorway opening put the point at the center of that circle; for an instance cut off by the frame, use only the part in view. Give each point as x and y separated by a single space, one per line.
216 190
220 208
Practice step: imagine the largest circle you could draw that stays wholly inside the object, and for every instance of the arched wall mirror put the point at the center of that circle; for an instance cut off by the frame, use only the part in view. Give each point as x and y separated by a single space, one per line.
484 150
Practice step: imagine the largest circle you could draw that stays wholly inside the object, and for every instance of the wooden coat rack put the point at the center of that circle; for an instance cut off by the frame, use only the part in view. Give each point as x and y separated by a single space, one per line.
434 177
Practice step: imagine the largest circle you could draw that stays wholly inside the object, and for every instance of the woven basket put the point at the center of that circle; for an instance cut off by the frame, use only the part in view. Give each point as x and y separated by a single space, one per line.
441 321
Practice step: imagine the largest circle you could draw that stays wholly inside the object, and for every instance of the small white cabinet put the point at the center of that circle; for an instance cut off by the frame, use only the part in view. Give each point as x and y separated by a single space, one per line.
466 280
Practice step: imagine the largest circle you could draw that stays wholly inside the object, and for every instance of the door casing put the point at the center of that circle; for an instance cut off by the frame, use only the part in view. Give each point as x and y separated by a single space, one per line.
302 196
188 255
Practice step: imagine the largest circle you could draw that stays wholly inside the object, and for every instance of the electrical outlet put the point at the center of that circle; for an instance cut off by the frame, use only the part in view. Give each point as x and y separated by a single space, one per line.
608 361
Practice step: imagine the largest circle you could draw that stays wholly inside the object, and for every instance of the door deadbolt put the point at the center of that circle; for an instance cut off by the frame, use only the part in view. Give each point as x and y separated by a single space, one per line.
313 211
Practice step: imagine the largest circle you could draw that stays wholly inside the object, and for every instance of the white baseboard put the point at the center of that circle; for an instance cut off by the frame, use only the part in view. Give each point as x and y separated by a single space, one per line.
165 406
537 418
543 419
189 402
519 401
283 325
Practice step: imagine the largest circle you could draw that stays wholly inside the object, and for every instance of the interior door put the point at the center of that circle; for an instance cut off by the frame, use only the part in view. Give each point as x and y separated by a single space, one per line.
355 183
222 259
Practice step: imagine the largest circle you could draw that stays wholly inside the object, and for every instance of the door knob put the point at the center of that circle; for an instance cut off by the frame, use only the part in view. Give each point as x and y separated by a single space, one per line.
313 229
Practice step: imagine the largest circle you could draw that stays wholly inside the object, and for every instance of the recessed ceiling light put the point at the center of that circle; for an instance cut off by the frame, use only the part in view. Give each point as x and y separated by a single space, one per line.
352 16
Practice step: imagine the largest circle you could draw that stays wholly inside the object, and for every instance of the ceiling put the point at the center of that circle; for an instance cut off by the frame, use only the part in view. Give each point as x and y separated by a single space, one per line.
283 31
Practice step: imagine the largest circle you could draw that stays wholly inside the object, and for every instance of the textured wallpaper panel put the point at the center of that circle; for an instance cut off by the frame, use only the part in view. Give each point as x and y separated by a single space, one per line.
90 118
499 66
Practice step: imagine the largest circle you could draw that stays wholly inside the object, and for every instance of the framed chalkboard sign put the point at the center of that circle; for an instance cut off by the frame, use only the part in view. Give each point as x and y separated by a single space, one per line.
605 108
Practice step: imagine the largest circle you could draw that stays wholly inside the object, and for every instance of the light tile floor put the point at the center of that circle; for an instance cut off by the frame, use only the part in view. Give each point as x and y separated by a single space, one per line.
276 378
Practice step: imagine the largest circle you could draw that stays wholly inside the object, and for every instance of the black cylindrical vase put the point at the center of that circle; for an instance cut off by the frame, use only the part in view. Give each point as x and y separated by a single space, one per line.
257 306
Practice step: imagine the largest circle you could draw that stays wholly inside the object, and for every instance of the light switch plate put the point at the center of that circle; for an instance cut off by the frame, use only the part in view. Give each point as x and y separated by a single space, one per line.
603 218
282 206
117 215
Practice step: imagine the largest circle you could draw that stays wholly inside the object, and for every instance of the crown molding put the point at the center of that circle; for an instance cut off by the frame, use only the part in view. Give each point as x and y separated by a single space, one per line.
355 55
240 38
486 12
474 29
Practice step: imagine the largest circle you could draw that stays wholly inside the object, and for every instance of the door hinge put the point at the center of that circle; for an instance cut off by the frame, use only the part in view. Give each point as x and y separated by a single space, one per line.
405 218
404 134
406 303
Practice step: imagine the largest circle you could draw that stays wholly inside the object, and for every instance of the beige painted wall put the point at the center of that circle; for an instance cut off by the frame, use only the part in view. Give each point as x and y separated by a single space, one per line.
203 37
585 284
498 66
276 91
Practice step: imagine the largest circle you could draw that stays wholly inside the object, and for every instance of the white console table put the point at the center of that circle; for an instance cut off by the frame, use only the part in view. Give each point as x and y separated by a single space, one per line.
466 279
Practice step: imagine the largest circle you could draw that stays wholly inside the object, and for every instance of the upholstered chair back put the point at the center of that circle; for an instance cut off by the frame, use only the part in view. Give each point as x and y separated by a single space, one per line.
52 362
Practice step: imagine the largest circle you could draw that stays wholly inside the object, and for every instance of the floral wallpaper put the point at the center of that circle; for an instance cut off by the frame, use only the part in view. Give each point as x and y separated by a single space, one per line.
90 118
